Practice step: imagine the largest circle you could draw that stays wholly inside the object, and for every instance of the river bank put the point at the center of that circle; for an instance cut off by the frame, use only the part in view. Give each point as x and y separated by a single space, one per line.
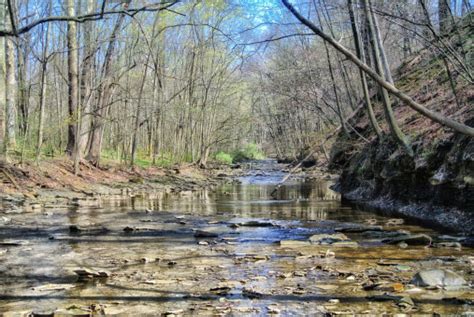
53 183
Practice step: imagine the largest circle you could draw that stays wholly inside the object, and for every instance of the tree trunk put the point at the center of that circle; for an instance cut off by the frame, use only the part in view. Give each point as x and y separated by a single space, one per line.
383 70
42 95
72 79
2 82
444 16
434 116
363 78
11 87
137 115
86 93
104 95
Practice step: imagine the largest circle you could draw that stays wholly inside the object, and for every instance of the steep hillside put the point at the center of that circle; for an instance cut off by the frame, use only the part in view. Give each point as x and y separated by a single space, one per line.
436 185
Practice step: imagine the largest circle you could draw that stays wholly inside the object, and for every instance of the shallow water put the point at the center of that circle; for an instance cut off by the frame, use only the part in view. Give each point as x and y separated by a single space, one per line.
158 265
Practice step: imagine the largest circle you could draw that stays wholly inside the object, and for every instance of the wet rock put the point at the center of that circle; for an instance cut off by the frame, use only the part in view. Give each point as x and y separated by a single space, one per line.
346 244
371 221
384 298
327 287
256 224
437 277
406 304
328 238
415 239
273 310
359 229
205 234
13 243
129 229
251 293
172 313
384 234
85 273
451 238
395 222
221 291
42 314
294 243
94 230
385 287
53 287
403 245
453 245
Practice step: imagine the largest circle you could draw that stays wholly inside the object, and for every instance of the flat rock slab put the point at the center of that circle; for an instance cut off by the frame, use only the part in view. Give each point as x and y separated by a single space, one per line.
359 229
415 239
205 234
437 277
328 238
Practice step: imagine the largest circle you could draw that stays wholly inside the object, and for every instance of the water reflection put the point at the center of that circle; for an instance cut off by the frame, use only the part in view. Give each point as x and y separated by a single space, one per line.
303 199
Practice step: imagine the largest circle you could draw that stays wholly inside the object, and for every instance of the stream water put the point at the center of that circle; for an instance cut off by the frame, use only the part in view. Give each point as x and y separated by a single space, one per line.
231 250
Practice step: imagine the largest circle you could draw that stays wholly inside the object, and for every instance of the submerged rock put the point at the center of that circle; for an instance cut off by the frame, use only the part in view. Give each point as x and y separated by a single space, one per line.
345 244
415 239
205 234
254 223
359 229
328 238
85 273
92 230
437 277
293 243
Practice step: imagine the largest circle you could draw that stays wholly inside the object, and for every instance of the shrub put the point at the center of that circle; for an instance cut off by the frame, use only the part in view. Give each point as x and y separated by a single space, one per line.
249 152
224 158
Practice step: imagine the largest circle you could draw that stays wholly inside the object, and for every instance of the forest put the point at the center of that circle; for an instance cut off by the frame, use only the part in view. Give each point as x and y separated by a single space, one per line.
295 146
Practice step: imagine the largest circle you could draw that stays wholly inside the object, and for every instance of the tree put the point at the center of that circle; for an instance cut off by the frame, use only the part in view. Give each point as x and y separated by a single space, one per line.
104 96
3 7
436 117
363 78
72 59
444 14
11 84
383 70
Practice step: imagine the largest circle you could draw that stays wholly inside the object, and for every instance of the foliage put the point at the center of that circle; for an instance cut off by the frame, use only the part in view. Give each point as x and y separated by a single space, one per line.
223 157
250 152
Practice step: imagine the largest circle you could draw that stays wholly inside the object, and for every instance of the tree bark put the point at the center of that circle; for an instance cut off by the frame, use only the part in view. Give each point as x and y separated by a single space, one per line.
11 86
42 95
72 56
381 65
363 78
104 95
444 16
86 93
2 82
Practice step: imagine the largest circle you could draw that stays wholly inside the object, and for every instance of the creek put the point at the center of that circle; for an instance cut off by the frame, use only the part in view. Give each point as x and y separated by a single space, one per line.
232 249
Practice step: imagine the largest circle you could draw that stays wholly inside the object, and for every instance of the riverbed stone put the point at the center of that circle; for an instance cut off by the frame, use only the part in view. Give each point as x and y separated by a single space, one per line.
438 277
328 238
293 243
359 229
205 234
410 239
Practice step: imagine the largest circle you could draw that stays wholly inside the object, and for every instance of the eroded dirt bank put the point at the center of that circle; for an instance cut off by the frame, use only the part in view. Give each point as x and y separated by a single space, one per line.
33 188
436 184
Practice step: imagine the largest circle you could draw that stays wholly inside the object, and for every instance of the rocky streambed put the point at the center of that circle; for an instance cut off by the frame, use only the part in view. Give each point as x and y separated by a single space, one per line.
233 249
